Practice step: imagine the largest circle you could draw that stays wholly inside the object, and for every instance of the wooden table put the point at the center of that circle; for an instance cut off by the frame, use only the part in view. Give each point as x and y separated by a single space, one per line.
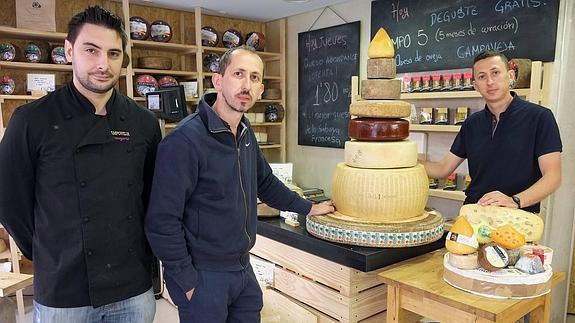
12 282
417 286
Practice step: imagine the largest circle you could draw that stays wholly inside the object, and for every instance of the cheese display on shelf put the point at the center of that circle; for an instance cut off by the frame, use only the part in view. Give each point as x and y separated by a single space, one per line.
394 154
381 46
380 108
482 217
380 195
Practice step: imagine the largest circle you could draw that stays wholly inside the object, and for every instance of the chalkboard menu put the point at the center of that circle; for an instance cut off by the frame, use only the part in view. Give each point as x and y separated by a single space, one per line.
440 34
328 58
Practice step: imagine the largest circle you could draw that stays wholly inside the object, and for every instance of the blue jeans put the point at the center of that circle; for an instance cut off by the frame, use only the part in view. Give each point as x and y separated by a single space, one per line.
219 297
137 309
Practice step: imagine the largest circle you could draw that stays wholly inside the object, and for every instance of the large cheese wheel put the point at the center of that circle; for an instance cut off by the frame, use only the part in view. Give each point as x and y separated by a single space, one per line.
380 195
526 223
377 129
428 228
380 108
393 154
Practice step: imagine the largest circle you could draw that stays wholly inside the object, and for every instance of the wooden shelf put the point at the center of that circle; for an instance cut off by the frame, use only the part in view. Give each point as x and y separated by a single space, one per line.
263 146
19 97
36 66
164 72
266 77
452 95
173 47
450 195
266 56
10 32
433 128
266 124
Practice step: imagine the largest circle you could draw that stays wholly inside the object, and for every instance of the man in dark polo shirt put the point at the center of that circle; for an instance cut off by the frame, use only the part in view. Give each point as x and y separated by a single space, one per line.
76 168
513 147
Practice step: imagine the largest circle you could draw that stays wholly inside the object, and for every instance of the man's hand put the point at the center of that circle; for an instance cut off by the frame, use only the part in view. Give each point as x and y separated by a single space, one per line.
189 294
322 208
497 198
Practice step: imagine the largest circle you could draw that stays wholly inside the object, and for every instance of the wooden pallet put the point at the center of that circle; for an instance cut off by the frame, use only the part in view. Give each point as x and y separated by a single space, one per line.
314 289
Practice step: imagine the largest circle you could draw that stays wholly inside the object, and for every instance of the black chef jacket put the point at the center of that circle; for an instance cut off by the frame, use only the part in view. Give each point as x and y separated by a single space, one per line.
73 192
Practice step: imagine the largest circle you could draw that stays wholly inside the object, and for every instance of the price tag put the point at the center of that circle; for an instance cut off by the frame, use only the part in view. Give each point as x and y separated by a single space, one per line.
264 270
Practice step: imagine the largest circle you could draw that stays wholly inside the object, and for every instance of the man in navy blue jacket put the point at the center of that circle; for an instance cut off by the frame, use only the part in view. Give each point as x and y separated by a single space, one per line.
202 219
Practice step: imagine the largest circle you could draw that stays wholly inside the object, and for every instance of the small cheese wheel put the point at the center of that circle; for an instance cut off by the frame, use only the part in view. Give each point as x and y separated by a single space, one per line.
375 129
381 45
139 28
380 195
493 257
380 89
160 31
380 108
393 154
470 261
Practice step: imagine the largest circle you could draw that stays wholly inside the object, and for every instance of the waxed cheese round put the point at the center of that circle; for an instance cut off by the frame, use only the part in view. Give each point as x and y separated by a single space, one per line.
378 129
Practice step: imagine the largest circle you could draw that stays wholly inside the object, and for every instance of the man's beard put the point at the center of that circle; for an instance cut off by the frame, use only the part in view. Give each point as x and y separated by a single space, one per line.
90 86
241 109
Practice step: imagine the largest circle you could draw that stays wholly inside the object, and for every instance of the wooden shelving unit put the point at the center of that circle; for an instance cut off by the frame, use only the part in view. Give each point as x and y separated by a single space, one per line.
450 195
452 95
433 128
185 49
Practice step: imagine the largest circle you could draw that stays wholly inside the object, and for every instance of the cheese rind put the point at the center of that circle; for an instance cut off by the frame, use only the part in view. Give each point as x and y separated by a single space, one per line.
378 129
381 45
380 195
380 89
528 224
380 108
381 68
469 261
395 154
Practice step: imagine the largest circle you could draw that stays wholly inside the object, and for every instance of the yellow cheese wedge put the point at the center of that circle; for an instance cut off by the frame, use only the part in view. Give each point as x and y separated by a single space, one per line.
381 46
528 224
460 240
507 237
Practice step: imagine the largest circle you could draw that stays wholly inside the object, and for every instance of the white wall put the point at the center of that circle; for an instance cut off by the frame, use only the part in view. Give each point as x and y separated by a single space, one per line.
314 166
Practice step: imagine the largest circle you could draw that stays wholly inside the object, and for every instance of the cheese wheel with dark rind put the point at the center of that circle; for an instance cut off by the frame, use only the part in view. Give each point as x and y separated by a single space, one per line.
376 129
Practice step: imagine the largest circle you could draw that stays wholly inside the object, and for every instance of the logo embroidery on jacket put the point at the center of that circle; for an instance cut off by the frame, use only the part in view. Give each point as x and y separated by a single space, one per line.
120 135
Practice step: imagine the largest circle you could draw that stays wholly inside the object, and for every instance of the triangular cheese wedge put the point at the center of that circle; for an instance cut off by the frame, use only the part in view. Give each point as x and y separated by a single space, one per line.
381 46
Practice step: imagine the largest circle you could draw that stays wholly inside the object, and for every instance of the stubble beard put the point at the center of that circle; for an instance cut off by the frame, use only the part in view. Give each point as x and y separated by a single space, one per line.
91 86
240 109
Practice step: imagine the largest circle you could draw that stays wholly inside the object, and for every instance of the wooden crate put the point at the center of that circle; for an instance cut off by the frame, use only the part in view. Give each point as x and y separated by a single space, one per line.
329 291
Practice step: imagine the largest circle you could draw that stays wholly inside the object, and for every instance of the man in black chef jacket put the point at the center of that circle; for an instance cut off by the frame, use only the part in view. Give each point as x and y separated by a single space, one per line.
75 173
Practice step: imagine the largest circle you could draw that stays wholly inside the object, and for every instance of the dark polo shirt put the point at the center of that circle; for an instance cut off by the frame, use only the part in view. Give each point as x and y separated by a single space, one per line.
504 157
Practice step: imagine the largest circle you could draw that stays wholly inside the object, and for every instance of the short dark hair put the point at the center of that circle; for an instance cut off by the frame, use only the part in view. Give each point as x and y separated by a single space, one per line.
99 16
491 53
227 57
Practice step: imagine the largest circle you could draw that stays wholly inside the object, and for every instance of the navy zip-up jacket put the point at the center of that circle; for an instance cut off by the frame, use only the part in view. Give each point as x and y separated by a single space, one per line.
202 212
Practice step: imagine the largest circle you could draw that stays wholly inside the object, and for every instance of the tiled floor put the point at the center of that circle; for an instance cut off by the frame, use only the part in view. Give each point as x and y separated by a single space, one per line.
165 312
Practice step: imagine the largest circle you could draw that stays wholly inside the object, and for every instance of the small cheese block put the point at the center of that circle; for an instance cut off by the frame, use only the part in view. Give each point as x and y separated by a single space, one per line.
380 195
376 129
547 252
381 45
380 89
393 154
530 264
507 237
470 261
380 108
381 68
460 239
528 224
493 257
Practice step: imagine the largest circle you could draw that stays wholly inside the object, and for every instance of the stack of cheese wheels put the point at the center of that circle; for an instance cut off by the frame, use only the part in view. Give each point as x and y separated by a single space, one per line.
380 191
